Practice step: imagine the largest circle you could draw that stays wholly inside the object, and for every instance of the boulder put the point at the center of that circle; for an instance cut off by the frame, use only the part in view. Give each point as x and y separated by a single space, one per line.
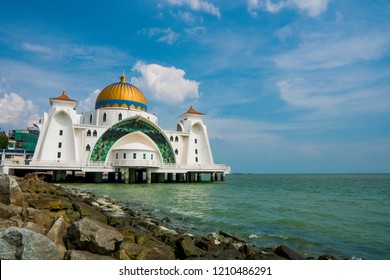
185 248
131 249
10 192
23 244
85 255
93 236
156 251
91 212
58 231
287 253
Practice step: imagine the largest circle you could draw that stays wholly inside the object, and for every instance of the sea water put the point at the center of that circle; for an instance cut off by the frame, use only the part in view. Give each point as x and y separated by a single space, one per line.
338 214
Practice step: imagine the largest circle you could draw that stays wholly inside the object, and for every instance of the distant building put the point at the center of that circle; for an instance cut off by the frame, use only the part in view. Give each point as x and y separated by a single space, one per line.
120 138
24 139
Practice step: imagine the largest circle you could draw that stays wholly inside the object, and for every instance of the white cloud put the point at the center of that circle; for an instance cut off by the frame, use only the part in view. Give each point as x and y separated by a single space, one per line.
17 112
88 103
187 17
75 52
312 7
334 52
166 35
166 84
197 5
334 97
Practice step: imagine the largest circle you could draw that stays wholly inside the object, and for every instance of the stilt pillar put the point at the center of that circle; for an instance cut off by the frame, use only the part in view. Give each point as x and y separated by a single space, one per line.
222 176
212 177
148 176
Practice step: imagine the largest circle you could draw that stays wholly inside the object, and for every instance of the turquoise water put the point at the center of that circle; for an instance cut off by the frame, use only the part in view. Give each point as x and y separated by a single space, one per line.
346 215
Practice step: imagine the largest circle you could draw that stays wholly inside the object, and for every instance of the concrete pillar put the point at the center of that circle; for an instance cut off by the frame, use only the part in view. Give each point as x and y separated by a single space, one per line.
132 177
222 176
212 177
126 176
148 176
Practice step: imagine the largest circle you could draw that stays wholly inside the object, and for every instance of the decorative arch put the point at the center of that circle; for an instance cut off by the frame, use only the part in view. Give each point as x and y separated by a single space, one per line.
117 131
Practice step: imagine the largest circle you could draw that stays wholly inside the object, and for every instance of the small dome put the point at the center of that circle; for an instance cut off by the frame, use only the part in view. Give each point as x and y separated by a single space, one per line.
121 95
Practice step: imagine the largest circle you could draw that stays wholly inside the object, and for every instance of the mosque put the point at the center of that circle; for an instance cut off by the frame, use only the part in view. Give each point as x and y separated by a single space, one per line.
119 140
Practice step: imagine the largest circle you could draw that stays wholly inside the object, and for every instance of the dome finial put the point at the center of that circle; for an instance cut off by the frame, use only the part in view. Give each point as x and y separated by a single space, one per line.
123 77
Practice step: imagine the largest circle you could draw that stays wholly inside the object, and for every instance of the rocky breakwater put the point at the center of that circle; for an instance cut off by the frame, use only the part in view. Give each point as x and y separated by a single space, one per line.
39 220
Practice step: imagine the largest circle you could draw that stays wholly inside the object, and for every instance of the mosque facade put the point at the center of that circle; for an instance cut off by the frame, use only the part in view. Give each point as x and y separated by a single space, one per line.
121 139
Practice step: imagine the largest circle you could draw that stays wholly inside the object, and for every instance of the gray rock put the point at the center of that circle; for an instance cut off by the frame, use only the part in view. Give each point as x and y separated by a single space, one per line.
58 231
10 192
23 244
93 236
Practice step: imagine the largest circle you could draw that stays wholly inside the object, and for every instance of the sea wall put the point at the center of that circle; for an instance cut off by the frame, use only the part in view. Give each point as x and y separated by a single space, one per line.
40 220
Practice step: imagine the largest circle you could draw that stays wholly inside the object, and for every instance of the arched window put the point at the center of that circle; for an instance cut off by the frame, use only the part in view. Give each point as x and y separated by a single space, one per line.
196 151
171 138
88 148
120 117
90 118
94 133
176 139
89 133
196 141
176 152
104 117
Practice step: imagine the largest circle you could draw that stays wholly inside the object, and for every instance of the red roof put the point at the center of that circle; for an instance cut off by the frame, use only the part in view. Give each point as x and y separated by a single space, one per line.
63 97
193 111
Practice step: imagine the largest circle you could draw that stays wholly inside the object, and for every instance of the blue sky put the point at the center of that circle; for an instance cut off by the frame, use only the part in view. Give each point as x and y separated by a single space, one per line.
287 86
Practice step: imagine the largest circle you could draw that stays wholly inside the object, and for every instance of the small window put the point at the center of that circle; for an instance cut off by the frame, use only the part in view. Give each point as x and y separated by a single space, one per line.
171 138
61 132
88 148
120 117
134 156
104 117
59 144
116 156
196 159
196 151
144 157
90 118
176 139
151 156
196 141
94 133
176 152
89 133
124 155
59 155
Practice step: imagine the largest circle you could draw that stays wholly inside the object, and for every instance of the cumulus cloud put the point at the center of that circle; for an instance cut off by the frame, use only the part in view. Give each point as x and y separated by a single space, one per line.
88 103
17 112
166 84
312 7
166 35
197 5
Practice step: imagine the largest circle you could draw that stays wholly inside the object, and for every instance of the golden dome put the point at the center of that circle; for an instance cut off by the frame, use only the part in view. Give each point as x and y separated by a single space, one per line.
121 95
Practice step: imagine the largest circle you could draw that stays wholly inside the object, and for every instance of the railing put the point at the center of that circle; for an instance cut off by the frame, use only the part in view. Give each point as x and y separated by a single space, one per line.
114 163
135 162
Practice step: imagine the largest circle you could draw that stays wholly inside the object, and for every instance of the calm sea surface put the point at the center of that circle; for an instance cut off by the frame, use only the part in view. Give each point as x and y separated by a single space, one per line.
347 214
